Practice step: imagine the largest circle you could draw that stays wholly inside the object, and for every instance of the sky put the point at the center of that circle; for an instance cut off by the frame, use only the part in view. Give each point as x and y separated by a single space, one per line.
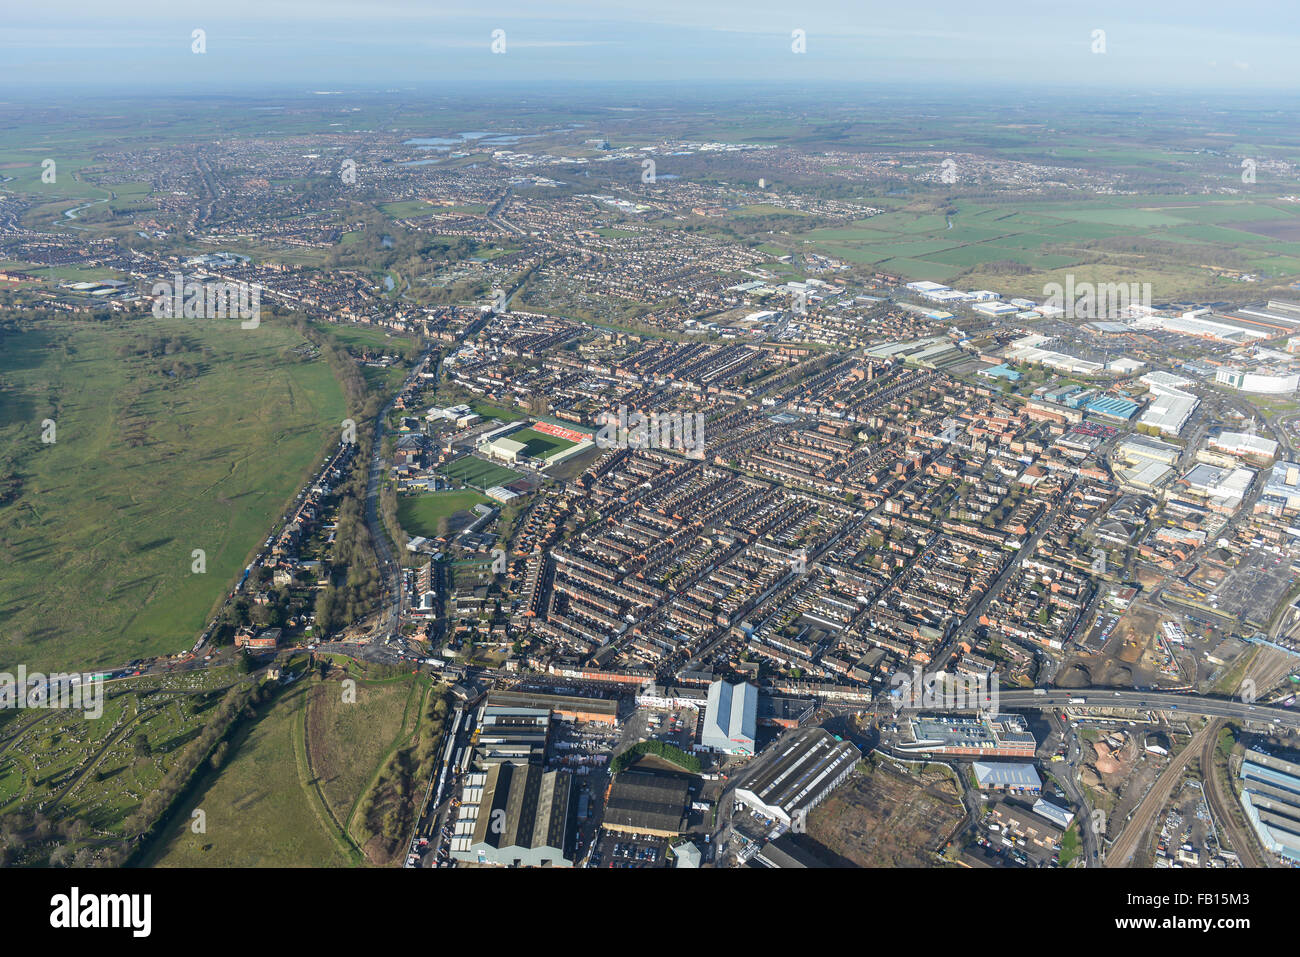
963 45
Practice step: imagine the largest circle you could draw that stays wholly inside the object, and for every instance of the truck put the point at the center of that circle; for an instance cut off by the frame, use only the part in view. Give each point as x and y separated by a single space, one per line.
1040 691
1078 701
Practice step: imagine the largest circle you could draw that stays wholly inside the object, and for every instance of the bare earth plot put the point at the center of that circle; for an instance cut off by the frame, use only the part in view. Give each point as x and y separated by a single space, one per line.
880 818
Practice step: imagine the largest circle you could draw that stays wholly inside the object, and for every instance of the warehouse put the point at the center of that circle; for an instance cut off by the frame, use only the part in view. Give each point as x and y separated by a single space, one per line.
1245 445
564 707
516 815
512 734
1271 796
731 718
505 450
803 767
1005 776
647 803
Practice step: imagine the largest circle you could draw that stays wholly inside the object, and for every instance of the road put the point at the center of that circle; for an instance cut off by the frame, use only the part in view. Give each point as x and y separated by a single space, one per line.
389 567
1206 705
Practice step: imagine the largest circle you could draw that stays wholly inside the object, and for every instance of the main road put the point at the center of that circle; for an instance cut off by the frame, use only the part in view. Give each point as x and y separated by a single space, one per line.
1205 705
389 567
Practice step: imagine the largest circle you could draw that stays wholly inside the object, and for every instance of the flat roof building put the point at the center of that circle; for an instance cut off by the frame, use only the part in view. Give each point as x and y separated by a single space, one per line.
994 736
647 803
1244 444
507 450
565 707
783 711
513 734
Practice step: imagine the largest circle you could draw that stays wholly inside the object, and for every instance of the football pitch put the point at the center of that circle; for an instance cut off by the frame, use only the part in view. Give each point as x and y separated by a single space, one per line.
478 473
539 445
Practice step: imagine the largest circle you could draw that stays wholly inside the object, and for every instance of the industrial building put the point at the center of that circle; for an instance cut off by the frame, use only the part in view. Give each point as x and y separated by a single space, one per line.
1222 489
564 707
1244 445
802 767
1060 816
1271 798
687 855
512 734
647 803
1170 405
784 852
731 718
1024 829
1005 776
505 450
782 711
1144 450
516 815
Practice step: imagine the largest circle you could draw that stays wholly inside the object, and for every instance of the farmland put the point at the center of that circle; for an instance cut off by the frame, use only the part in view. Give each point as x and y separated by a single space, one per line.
1177 243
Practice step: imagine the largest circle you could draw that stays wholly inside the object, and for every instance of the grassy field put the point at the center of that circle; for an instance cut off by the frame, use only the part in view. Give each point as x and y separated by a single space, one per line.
419 514
260 810
539 444
150 461
476 472
1174 242
347 739
489 411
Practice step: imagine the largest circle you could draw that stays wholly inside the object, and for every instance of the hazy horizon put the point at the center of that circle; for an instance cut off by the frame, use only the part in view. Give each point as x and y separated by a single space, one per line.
146 46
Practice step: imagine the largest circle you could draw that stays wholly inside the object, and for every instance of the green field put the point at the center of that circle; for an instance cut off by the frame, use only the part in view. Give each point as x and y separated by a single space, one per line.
419 514
489 411
1165 240
539 444
476 472
155 455
260 809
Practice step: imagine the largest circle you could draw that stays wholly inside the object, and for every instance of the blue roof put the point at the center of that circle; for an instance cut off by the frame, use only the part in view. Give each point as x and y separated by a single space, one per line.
1113 407
1003 371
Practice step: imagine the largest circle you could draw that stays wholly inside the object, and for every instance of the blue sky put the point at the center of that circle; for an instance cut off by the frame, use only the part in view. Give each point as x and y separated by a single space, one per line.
1193 45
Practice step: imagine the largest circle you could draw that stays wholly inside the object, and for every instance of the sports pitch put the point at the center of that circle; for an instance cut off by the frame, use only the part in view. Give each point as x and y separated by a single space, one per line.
539 445
478 473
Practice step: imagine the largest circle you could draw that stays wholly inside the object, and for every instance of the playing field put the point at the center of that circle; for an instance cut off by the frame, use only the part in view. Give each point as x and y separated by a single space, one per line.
539 445
478 473
169 436
419 514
